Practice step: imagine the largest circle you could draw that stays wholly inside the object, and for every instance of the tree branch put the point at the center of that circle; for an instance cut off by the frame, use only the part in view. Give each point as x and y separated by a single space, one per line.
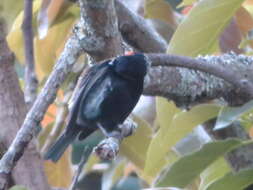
241 81
188 87
31 82
137 32
99 26
63 66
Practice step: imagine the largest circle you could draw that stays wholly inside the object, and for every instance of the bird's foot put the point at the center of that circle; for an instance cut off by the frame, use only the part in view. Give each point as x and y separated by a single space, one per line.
108 148
128 127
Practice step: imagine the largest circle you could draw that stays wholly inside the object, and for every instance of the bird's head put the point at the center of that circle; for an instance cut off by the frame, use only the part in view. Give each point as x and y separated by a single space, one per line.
131 66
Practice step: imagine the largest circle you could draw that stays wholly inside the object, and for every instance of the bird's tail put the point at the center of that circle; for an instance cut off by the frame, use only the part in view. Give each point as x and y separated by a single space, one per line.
57 149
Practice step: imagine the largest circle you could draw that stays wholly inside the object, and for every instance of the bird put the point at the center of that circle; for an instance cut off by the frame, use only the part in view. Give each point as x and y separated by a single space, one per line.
107 95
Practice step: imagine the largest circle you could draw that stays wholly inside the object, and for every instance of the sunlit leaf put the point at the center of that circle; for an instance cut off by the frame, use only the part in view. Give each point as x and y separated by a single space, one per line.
46 49
157 151
199 31
182 124
187 168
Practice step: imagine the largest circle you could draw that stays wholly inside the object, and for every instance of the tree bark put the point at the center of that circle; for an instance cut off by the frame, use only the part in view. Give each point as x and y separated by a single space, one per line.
29 171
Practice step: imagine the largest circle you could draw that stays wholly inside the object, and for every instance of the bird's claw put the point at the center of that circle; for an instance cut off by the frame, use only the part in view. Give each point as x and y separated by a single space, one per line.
128 128
107 149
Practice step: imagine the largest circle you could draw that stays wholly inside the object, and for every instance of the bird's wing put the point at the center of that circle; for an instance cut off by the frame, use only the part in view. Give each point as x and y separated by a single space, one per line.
92 75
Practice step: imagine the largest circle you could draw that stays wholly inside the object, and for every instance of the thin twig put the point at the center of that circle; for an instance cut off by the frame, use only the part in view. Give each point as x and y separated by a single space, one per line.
84 159
58 124
31 82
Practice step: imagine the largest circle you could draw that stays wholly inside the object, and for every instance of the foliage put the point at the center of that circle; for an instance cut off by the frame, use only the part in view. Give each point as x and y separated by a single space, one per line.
149 157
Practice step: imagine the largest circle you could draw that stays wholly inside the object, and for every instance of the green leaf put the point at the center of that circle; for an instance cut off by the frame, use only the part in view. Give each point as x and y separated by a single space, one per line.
135 147
182 124
214 172
156 151
228 115
187 168
199 31
165 112
233 181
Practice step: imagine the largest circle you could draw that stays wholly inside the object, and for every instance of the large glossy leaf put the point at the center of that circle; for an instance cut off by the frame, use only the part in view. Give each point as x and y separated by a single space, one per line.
200 30
182 124
165 113
197 34
228 115
233 181
187 168
46 50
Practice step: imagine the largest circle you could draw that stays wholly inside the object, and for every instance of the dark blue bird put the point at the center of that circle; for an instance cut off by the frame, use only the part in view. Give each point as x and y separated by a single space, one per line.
109 92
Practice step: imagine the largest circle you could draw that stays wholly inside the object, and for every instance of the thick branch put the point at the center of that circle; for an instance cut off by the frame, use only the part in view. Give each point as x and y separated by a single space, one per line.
137 32
31 82
238 78
99 27
187 87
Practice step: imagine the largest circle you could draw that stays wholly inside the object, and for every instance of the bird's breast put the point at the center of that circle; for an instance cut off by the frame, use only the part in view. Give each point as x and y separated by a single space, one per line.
112 99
